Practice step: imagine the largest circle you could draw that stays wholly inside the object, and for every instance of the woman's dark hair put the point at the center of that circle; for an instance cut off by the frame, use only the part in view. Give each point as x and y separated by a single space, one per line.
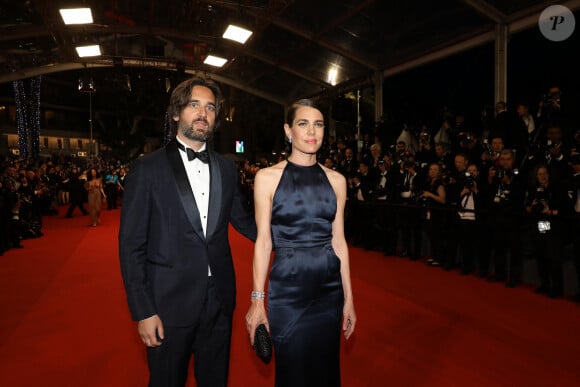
182 95
90 175
291 113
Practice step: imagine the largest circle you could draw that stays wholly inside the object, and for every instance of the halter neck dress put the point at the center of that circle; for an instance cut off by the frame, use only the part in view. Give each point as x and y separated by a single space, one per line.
305 296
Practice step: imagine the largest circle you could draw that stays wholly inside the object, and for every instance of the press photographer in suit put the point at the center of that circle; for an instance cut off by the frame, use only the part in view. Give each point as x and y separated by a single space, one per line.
544 201
505 200
173 242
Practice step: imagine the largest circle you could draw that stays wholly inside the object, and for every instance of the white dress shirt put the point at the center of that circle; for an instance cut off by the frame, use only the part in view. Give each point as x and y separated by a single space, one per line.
198 176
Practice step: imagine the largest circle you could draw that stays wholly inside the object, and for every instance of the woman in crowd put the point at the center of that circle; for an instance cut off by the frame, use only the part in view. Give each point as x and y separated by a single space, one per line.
432 199
96 195
300 213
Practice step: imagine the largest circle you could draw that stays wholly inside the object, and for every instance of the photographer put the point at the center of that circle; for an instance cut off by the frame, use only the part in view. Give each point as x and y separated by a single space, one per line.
426 154
384 192
360 200
348 165
555 154
469 145
550 107
463 194
407 214
491 153
431 201
502 124
526 129
505 198
443 157
543 203
552 111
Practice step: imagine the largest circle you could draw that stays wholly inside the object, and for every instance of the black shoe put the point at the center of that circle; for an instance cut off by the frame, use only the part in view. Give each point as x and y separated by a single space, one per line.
482 274
576 298
555 293
403 253
19 246
465 271
68 216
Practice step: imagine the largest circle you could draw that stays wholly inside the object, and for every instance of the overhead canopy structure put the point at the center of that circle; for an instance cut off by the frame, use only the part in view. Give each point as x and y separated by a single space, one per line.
298 47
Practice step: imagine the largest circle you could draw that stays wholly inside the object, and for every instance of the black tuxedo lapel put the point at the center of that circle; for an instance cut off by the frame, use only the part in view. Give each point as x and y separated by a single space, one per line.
215 194
183 188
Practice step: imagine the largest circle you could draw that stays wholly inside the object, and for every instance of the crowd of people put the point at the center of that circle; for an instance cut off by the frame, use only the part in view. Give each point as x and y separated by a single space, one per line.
481 200
478 198
30 190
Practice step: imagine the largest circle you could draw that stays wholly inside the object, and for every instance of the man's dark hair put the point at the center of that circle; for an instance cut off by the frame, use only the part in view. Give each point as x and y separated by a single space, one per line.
182 95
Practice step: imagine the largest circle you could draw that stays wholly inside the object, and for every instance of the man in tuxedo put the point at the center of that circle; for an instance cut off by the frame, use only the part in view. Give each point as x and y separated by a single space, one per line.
175 257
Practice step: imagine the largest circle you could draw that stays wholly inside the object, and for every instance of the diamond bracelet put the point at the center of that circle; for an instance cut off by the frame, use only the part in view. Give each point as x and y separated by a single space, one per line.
258 295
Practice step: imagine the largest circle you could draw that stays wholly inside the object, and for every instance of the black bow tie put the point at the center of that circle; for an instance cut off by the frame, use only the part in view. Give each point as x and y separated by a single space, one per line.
203 156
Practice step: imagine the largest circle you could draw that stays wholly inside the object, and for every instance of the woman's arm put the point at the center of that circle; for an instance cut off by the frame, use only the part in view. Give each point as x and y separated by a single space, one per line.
264 186
341 249
440 197
101 189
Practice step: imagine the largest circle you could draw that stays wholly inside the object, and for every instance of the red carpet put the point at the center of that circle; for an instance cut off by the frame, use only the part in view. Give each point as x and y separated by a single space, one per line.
64 321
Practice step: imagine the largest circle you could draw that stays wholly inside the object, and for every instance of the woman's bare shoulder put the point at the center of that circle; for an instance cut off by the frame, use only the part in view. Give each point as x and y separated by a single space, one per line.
270 175
333 176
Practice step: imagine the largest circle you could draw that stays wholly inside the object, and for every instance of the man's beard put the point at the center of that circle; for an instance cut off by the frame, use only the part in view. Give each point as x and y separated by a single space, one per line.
190 133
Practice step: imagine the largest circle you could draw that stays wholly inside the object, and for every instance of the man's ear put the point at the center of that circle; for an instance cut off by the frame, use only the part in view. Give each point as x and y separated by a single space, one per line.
175 118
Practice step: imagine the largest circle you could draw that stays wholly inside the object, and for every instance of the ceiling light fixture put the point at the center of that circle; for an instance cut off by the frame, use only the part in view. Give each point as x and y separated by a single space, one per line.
332 75
85 51
76 15
236 33
215 61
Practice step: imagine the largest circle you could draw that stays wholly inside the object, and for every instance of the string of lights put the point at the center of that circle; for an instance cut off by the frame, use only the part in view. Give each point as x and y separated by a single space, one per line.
21 110
28 116
34 115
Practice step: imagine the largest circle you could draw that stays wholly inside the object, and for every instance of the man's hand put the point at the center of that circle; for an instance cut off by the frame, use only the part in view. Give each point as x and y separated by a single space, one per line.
151 331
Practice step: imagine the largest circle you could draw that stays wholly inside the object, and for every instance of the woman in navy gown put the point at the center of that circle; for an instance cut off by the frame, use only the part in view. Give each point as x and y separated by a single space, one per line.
300 215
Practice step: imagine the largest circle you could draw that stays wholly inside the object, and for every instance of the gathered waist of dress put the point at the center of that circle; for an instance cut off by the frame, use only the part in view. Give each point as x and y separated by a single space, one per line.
301 244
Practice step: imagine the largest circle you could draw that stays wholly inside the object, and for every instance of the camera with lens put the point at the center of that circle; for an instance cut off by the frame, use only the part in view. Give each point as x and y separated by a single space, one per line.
465 138
541 202
425 139
420 200
469 181
551 99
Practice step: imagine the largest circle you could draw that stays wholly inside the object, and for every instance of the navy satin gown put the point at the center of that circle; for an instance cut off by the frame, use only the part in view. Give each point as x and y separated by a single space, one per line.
305 297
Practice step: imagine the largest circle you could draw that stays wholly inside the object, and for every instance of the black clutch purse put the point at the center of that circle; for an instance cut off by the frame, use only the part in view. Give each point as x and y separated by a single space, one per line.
263 344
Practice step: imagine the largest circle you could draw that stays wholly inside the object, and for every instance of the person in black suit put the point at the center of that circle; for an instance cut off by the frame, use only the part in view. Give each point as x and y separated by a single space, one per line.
77 193
175 256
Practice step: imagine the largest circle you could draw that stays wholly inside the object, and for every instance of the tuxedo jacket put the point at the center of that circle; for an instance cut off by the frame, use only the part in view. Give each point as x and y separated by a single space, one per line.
163 251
